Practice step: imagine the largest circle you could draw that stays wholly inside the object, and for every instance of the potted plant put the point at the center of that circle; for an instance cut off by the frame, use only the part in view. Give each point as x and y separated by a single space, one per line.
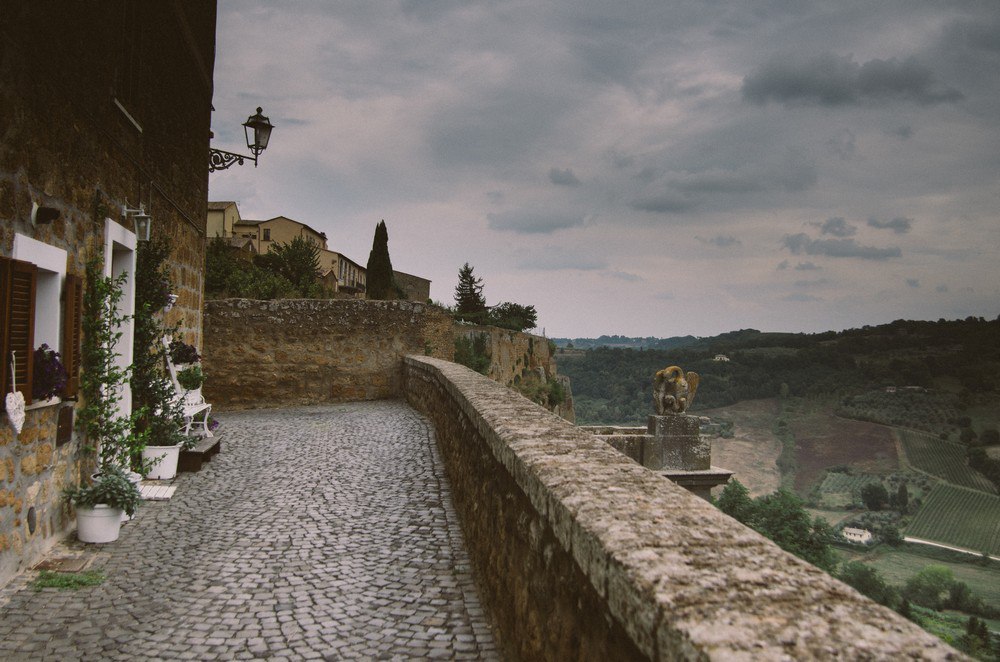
191 378
110 435
101 505
182 354
49 374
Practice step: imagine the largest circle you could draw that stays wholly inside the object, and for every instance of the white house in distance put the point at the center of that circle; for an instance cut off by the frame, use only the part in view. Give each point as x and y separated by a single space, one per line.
721 357
857 536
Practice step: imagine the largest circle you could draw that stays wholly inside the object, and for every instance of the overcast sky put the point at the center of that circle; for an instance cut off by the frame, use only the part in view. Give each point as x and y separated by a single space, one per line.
660 167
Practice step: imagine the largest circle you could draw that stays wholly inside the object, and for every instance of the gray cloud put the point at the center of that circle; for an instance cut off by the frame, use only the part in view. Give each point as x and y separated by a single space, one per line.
819 282
802 243
534 222
721 241
807 266
563 177
558 259
837 227
941 289
665 203
899 225
624 275
913 282
904 132
831 80
800 297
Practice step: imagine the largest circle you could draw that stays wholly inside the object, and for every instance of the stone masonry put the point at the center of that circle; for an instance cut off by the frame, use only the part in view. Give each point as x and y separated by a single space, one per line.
584 554
317 533
301 351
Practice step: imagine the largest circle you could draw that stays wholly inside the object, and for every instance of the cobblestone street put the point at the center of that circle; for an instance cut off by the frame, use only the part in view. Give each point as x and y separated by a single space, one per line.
316 533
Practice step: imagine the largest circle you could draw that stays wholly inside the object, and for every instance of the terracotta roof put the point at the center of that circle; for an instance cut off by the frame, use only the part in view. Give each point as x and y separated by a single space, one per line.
219 205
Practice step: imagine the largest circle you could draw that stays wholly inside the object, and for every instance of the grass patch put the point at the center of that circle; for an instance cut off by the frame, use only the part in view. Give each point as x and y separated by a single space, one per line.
67 581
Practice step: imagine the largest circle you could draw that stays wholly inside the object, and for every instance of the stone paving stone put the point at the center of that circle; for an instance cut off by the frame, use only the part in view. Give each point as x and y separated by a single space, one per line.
317 533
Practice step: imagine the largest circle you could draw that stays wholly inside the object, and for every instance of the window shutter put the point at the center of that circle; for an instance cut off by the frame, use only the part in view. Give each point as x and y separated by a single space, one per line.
17 323
72 324
21 334
5 266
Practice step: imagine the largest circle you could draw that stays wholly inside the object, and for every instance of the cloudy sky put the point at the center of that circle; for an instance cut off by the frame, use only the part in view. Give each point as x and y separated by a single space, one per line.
660 167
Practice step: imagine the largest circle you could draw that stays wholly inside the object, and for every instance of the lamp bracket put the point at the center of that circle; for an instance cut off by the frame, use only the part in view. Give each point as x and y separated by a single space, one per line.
219 159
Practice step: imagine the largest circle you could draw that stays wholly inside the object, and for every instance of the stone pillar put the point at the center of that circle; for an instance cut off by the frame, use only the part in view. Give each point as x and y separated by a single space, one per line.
675 448
674 442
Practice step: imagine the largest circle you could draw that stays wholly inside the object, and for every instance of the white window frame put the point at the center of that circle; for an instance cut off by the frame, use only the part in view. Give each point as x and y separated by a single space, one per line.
119 258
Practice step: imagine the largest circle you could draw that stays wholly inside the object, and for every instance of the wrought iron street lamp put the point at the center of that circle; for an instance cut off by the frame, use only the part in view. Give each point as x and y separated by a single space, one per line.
258 131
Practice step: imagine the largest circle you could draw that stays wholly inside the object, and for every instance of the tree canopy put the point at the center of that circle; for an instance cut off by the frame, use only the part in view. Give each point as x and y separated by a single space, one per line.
297 261
470 305
781 517
513 316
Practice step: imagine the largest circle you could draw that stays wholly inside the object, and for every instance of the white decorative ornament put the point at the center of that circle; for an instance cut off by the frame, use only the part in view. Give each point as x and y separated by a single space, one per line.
15 400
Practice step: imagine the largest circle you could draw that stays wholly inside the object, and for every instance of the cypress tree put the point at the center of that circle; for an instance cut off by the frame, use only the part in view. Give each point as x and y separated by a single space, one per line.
380 281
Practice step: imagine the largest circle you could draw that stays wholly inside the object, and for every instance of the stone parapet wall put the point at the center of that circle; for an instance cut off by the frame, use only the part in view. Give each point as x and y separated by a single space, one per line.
582 554
304 351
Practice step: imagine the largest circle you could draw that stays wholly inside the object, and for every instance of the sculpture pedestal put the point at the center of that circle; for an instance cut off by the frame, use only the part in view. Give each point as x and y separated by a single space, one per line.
674 442
674 447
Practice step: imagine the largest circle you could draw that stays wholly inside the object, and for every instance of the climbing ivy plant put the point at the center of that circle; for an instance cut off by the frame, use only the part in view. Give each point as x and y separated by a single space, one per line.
159 415
108 432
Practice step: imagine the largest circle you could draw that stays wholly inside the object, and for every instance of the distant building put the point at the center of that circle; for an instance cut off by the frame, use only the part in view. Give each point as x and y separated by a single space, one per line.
337 271
857 536
415 287
721 357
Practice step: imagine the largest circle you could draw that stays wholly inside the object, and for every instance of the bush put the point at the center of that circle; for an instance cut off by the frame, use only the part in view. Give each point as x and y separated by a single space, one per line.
471 352
111 488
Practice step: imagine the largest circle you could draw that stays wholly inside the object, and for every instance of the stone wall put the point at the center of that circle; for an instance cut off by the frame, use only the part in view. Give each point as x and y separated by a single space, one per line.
516 357
583 554
302 351
67 144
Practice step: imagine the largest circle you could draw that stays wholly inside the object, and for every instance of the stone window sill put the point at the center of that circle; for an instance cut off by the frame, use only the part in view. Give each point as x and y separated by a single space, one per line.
42 404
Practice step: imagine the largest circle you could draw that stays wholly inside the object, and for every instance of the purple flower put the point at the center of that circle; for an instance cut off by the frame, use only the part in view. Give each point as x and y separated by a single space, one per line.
49 374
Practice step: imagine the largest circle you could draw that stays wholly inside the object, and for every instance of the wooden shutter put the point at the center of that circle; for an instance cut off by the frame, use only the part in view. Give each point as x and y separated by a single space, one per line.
17 325
72 324
5 266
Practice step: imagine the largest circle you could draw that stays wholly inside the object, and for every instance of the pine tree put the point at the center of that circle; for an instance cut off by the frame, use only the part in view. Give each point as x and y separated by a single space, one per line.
469 302
380 282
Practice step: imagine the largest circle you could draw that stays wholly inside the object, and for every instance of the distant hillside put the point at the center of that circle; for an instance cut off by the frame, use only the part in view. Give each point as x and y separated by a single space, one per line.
959 360
623 342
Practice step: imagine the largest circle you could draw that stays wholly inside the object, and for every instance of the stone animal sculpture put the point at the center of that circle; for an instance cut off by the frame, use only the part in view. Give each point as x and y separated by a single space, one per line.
673 390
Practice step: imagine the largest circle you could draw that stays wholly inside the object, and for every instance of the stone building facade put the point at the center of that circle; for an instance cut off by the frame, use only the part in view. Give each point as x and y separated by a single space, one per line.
102 105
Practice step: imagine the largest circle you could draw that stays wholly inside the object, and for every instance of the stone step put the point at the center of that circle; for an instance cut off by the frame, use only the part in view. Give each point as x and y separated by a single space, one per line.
202 452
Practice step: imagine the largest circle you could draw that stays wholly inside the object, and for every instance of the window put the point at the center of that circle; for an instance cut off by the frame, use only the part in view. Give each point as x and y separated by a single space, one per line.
39 304
267 234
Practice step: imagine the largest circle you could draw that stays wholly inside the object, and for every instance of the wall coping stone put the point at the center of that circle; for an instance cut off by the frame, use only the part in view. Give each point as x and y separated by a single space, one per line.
683 579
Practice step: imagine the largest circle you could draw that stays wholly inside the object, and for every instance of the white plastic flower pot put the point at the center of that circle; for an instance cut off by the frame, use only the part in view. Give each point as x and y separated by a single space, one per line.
99 524
164 459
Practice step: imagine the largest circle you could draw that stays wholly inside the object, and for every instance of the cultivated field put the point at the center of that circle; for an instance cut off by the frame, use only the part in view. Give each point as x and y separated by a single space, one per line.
823 440
897 565
752 452
943 459
839 489
961 517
